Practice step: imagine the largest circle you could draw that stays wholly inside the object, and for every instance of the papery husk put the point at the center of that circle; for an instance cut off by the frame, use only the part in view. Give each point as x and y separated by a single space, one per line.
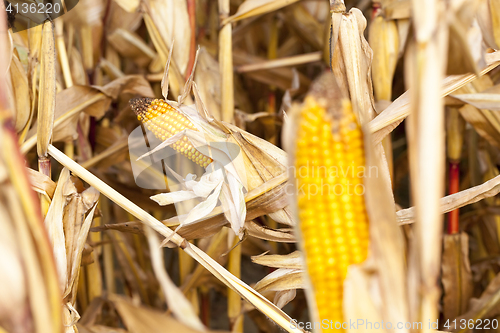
267 198
386 263
351 61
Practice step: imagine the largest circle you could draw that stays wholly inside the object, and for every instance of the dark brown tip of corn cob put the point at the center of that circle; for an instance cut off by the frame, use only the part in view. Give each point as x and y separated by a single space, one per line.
140 105
328 93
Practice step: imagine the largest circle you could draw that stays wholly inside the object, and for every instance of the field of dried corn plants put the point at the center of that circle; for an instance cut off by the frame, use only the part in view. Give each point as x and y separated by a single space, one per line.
235 227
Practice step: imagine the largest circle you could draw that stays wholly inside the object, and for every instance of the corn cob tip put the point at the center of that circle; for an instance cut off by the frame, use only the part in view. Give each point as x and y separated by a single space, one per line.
140 106
328 93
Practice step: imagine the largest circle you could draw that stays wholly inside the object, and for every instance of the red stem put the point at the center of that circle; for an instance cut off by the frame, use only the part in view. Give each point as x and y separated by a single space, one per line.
191 7
453 226
205 308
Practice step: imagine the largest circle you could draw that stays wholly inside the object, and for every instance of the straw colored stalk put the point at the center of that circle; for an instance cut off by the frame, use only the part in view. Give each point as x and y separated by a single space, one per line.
252 8
61 51
425 66
46 101
233 299
226 64
246 292
384 41
284 62
47 92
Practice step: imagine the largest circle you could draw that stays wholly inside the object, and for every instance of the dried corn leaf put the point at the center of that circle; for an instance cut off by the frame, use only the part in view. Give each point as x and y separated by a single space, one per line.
251 8
305 26
142 319
130 45
41 183
393 115
207 71
281 279
177 302
94 101
129 5
483 100
54 226
282 298
487 18
21 91
76 254
292 261
249 294
175 79
273 235
172 22
456 275
485 306
457 200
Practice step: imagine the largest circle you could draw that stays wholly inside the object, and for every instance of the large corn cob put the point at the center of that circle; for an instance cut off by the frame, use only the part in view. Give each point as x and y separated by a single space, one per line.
165 121
329 161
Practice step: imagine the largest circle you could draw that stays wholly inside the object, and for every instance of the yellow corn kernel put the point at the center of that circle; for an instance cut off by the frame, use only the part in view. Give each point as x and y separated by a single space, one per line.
165 121
329 162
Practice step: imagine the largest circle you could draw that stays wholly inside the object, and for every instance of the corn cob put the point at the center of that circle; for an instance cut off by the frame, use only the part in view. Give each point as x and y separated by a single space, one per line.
165 121
331 208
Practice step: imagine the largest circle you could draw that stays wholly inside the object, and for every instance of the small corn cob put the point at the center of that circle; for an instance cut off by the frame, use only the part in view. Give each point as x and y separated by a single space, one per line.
165 121
333 222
